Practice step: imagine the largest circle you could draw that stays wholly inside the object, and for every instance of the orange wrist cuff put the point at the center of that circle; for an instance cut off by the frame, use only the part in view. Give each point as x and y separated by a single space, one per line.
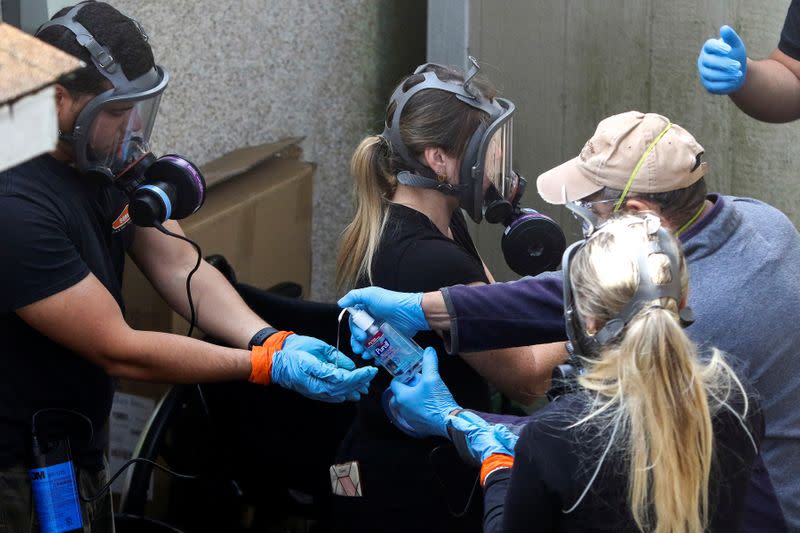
261 357
496 461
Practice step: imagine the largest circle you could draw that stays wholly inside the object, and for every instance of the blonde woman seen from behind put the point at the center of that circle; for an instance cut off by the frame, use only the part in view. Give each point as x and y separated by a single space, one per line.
649 386
657 437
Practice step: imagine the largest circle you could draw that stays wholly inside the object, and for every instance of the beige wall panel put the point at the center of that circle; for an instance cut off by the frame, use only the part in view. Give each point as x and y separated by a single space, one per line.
520 46
607 67
679 30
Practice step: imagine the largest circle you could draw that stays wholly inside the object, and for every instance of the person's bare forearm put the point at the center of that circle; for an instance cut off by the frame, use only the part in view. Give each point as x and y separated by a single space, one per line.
221 312
168 358
435 311
523 374
167 262
87 320
771 92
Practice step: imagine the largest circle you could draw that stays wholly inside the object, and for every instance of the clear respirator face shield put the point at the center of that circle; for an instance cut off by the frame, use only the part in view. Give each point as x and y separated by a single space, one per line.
493 187
112 133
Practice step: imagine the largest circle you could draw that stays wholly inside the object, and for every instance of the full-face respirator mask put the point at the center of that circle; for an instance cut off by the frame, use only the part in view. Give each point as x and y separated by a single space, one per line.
584 346
111 137
488 187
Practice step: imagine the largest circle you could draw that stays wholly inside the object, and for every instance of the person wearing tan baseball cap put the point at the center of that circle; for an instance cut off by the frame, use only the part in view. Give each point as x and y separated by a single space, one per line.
630 162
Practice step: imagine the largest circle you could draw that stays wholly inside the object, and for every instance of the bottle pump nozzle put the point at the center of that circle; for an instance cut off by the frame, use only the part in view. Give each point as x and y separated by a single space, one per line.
361 318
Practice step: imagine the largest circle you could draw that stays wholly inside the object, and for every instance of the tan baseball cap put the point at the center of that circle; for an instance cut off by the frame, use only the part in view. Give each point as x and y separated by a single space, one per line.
660 156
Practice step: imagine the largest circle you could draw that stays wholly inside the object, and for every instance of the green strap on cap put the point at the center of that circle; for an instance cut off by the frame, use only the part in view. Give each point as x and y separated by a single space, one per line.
638 166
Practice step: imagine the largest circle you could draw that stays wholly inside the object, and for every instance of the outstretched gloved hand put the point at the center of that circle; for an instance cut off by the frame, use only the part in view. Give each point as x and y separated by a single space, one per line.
425 403
722 63
309 366
403 310
483 439
319 349
304 373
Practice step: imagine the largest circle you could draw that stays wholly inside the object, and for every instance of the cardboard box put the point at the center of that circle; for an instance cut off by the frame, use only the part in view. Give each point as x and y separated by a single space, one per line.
257 214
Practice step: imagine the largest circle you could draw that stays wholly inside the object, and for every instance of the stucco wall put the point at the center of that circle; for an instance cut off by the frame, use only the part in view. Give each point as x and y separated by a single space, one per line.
569 64
250 71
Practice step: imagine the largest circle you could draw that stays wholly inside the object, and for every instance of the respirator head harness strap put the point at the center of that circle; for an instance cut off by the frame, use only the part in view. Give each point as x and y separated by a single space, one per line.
661 242
416 174
112 132
101 55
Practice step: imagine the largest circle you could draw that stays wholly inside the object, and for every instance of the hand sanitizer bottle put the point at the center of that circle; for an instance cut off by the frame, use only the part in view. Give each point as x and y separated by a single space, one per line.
399 355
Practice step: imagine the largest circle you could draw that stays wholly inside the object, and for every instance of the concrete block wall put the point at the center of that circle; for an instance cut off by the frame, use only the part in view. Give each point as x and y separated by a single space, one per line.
569 64
250 71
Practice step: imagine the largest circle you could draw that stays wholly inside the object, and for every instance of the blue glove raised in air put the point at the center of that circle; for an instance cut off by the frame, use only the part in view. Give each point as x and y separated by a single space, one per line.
722 63
483 439
426 402
314 378
403 310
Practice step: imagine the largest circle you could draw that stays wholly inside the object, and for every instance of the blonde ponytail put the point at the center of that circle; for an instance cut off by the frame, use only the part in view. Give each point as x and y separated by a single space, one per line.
374 183
653 388
669 433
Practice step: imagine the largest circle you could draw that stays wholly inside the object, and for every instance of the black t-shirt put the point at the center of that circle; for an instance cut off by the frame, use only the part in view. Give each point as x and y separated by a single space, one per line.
789 43
57 228
414 256
554 463
401 476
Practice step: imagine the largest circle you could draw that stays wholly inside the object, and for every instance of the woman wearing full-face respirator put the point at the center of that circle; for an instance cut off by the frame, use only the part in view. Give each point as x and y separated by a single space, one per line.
446 146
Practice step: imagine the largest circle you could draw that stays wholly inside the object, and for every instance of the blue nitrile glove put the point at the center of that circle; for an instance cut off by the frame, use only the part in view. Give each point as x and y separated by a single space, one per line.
425 403
483 438
357 339
722 63
403 310
319 380
319 349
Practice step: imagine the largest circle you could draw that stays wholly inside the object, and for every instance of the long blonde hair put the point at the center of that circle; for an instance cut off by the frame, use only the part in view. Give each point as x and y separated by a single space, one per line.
431 117
374 183
651 390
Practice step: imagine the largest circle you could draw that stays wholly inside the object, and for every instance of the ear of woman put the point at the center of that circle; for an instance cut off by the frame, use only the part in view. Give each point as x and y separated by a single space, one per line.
445 166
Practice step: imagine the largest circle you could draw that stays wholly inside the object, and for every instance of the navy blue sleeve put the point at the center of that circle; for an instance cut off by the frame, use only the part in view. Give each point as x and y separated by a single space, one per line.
513 422
504 315
37 258
494 496
789 43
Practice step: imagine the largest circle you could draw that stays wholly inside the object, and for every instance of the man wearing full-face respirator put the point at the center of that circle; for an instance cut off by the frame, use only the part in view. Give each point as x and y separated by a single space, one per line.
69 218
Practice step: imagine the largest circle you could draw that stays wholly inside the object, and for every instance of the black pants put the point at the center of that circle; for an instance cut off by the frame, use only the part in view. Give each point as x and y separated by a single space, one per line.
408 485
